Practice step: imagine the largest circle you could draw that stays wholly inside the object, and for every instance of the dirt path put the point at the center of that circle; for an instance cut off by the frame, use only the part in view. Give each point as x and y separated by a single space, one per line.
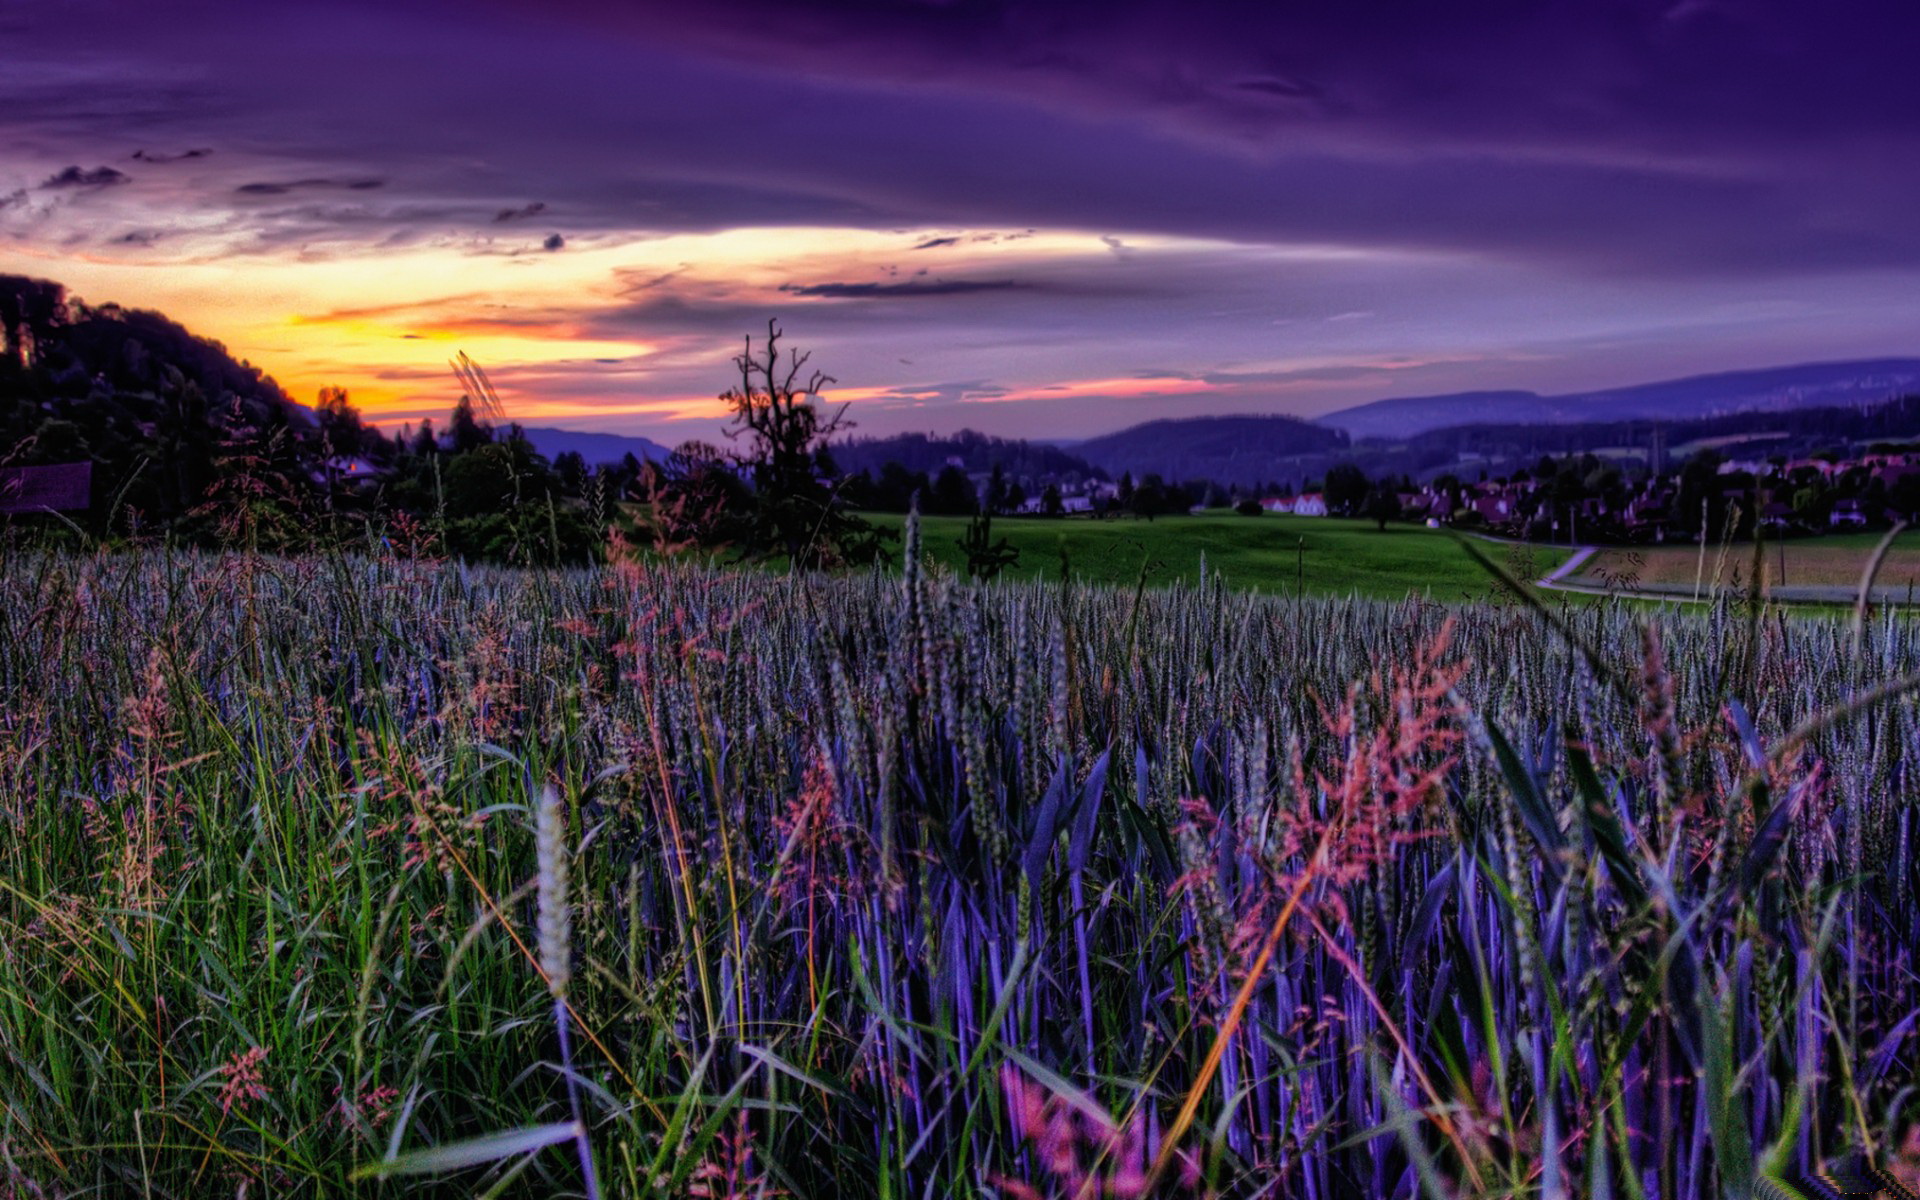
1552 578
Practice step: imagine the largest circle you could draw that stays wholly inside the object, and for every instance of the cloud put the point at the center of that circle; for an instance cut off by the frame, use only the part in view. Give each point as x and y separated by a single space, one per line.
78 177
1759 139
149 156
282 189
554 242
1542 196
911 287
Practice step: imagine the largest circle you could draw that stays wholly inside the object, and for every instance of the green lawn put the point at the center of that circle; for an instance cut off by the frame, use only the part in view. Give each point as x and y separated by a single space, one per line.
1266 553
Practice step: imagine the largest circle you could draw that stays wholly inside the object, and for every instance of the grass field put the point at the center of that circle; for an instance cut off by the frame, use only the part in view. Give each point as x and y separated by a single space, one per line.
1271 554
340 876
1831 563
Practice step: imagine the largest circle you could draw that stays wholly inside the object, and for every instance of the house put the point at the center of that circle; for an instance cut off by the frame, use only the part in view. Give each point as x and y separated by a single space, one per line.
1313 504
1820 466
1776 515
1277 504
1848 512
1893 473
1494 508
345 468
1648 514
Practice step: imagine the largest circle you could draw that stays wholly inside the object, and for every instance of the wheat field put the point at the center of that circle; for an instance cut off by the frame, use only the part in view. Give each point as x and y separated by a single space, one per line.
354 876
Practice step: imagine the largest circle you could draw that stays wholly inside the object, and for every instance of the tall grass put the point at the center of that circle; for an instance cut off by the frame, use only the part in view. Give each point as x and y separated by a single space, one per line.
899 887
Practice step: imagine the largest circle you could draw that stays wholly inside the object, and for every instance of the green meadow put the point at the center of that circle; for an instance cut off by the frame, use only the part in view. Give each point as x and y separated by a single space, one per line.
1272 554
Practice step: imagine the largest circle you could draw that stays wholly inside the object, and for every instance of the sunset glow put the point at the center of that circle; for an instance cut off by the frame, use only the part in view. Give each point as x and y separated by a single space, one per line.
959 240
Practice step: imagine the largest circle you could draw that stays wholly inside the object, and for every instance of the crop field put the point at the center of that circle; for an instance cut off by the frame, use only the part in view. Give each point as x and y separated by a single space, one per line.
339 876
1339 557
1827 565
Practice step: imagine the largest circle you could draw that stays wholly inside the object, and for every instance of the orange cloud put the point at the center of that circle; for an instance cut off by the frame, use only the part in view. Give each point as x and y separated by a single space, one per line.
1080 389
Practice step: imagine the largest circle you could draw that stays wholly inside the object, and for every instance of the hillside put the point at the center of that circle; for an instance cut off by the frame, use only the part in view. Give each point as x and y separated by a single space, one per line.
975 452
1501 447
152 406
595 448
1807 385
186 441
1227 450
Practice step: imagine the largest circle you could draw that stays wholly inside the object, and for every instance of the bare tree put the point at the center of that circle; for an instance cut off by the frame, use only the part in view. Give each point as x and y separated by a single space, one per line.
776 414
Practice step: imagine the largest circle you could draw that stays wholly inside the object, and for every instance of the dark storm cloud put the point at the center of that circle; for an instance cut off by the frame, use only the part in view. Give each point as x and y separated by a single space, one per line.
1607 71
81 178
160 157
1635 185
906 288
1618 136
299 185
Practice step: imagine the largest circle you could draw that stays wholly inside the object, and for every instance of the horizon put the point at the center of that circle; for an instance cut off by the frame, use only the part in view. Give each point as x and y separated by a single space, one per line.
1038 223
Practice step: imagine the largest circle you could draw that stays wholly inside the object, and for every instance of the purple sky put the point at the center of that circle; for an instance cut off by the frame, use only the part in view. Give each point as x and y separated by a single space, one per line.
1032 219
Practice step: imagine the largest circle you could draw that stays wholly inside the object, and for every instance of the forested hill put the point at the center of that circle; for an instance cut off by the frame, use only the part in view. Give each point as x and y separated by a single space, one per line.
1696 397
150 404
1228 450
188 442
972 452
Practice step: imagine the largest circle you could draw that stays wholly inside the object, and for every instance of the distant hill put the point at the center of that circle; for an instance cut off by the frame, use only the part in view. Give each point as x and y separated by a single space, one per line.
1807 385
596 448
975 452
1228 450
150 405
1498 448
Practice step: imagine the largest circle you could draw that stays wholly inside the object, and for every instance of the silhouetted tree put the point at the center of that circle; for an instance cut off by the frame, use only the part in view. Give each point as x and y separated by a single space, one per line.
986 558
424 443
952 494
571 466
466 431
1383 505
794 512
1346 488
996 500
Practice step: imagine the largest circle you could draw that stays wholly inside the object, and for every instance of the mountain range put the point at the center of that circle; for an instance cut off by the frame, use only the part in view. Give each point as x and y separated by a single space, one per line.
1233 449
970 451
107 381
596 448
1773 389
1248 449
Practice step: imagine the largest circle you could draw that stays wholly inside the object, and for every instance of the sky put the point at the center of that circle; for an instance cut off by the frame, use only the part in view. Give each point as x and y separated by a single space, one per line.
1034 219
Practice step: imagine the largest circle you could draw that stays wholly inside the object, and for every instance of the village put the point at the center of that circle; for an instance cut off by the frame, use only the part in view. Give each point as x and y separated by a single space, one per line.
1584 499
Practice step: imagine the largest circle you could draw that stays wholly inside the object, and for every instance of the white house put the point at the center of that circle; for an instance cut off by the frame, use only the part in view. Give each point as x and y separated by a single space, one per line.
1313 504
1277 504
